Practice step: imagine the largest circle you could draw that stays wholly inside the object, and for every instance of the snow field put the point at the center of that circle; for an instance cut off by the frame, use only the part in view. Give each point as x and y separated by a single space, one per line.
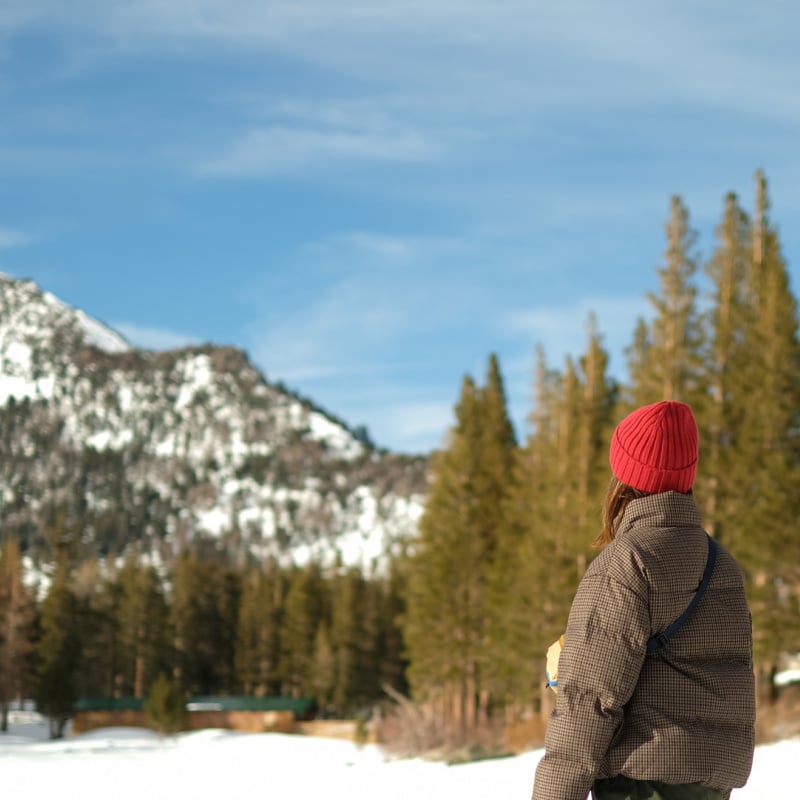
128 763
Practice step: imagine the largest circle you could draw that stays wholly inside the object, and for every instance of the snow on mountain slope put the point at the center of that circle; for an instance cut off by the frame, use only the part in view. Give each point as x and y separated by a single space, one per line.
167 447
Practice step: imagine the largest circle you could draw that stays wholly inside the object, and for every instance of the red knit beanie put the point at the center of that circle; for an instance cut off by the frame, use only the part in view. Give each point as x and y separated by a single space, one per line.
654 449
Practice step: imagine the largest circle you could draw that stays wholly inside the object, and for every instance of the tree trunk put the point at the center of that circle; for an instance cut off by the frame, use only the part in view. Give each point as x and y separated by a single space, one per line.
138 680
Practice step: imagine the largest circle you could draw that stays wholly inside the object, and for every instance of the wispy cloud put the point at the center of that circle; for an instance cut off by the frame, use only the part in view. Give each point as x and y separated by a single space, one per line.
13 238
332 337
563 330
382 327
284 151
417 423
154 338
372 298
441 43
378 298
373 249
47 160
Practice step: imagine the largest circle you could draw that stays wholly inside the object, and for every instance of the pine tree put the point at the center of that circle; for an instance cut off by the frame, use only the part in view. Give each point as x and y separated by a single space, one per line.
639 391
323 669
443 627
724 474
354 635
143 627
372 625
205 604
258 631
496 450
551 516
521 623
768 444
97 598
566 457
165 708
447 601
304 610
665 359
17 629
58 652
595 423
347 638
392 663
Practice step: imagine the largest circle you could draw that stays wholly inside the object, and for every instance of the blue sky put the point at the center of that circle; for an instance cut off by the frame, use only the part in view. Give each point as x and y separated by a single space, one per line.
371 196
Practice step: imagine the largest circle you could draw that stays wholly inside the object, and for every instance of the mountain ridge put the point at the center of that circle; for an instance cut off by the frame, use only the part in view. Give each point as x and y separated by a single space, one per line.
167 449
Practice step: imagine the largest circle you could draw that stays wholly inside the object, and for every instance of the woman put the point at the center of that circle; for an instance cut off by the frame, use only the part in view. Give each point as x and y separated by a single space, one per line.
677 722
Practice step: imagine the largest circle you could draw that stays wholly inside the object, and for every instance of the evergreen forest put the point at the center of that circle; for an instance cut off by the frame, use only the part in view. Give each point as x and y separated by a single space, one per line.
462 620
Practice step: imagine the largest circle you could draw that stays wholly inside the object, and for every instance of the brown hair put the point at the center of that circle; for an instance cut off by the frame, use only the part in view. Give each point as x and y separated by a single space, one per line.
618 496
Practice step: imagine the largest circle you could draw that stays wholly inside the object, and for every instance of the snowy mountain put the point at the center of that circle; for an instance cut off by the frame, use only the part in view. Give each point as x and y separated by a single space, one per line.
110 447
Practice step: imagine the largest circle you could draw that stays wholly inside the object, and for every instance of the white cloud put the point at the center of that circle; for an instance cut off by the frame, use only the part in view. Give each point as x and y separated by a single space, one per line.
562 330
381 249
415 424
365 298
153 338
500 53
334 336
276 151
13 238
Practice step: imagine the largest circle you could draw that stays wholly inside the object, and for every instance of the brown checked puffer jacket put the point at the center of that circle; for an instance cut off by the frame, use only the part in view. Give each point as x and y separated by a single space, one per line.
684 714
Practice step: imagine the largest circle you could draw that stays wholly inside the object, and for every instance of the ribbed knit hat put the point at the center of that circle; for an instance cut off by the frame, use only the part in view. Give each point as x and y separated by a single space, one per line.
654 449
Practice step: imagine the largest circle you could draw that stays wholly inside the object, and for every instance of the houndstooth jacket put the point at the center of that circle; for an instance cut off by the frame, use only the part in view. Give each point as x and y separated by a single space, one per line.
684 714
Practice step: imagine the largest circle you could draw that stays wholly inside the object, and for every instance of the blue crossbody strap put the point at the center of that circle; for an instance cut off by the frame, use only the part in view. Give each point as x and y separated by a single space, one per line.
660 640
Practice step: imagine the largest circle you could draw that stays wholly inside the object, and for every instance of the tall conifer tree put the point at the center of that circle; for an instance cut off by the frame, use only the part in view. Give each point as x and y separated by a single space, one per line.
442 625
496 447
17 621
58 652
391 648
723 477
447 594
552 515
596 409
322 681
665 360
97 598
768 445
144 631
258 636
205 604
353 640
306 608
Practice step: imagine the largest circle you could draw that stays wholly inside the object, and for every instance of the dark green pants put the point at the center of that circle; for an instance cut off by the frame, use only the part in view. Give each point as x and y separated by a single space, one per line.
622 788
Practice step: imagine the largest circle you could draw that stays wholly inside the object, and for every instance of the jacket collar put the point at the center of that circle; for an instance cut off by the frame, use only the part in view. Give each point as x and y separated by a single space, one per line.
664 510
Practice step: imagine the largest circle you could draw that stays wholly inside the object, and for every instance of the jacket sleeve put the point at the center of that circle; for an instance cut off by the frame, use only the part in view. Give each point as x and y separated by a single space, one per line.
604 648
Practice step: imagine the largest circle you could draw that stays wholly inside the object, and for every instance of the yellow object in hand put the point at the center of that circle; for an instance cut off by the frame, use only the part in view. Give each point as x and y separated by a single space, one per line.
553 653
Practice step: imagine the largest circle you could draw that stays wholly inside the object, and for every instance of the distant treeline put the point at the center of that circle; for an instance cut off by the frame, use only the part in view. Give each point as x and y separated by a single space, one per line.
213 627
463 619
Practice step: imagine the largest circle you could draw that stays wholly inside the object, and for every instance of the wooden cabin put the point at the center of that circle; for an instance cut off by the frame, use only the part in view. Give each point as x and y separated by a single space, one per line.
247 714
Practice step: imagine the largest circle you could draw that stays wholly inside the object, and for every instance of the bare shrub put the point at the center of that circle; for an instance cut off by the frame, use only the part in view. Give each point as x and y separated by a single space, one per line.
409 729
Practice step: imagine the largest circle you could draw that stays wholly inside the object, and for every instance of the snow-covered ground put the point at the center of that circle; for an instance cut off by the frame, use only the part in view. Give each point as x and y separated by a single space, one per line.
123 763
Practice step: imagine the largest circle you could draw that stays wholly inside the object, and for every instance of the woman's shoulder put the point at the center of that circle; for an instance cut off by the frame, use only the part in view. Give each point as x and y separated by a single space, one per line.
621 562
644 556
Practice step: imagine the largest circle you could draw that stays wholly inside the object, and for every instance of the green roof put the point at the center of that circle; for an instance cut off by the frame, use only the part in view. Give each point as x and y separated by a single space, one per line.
297 705
110 704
